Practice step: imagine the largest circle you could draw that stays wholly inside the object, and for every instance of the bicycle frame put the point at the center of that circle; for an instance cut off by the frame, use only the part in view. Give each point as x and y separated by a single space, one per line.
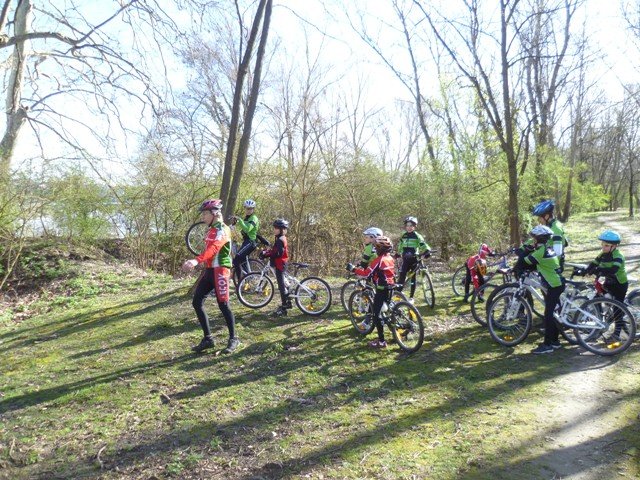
289 281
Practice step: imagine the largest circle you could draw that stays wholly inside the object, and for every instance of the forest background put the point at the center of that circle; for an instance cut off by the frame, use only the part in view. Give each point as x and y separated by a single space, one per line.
122 118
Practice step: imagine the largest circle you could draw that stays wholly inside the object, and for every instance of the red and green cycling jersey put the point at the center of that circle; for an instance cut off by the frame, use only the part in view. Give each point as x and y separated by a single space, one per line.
368 255
547 263
412 243
381 270
249 226
217 249
612 264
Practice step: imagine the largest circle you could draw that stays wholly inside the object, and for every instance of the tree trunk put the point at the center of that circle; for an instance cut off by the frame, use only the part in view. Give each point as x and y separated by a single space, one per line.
15 113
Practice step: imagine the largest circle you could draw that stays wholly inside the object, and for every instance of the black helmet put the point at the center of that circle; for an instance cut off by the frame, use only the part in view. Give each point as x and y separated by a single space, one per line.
280 223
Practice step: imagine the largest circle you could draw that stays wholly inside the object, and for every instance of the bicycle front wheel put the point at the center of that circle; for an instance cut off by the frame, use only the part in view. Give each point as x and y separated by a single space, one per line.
194 238
478 305
361 311
458 281
313 296
426 285
509 319
345 292
407 327
633 303
604 326
255 290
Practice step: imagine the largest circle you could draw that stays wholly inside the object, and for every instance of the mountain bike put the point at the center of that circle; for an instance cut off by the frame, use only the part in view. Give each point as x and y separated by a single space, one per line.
346 290
601 325
499 275
400 316
423 280
312 294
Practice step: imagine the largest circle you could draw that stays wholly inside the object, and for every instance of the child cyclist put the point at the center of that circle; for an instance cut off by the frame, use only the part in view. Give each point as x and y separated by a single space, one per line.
539 256
411 245
558 241
476 267
278 257
610 264
369 253
382 273
217 259
249 230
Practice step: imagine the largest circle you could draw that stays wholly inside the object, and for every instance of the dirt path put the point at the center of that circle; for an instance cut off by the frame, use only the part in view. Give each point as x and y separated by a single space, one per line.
583 440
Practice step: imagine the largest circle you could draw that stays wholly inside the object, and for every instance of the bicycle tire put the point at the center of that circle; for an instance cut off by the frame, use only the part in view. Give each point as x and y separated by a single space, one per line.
426 285
255 290
313 296
478 307
345 292
505 286
194 238
633 303
458 281
407 327
605 342
512 325
361 307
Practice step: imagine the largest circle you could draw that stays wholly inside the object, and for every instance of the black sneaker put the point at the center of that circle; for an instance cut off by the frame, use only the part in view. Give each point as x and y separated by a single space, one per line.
232 345
556 345
280 312
542 348
203 345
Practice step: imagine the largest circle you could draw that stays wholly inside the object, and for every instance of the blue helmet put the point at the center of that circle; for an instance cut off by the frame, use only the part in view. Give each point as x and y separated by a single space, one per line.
544 207
610 236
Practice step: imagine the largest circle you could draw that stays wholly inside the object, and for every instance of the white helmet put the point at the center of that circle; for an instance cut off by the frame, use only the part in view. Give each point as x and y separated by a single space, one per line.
373 232
250 203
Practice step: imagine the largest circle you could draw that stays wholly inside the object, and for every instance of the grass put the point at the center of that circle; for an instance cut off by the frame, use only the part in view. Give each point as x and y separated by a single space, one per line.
104 386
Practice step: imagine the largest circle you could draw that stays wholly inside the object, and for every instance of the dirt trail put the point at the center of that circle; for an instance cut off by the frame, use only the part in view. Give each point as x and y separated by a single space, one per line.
583 440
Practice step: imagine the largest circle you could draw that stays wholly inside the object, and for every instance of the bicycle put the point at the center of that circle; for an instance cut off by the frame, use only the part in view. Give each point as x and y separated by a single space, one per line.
195 240
346 290
400 316
423 280
590 320
458 280
312 294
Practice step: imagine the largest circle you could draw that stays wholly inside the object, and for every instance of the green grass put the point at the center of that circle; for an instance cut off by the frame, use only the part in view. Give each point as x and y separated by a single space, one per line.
85 385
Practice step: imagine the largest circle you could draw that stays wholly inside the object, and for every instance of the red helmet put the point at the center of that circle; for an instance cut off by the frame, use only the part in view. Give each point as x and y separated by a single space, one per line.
214 204
484 250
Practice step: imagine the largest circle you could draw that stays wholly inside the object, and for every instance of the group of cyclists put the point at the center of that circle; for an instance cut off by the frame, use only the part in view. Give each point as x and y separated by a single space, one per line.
543 252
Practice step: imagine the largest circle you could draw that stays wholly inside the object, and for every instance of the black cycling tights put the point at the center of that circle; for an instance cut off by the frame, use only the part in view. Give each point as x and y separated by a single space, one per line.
409 264
204 288
380 297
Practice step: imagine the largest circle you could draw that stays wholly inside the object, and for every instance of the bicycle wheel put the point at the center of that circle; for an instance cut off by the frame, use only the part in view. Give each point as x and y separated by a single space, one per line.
255 290
510 286
361 311
509 319
426 285
605 326
345 292
567 332
194 238
479 302
633 304
313 296
407 327
458 281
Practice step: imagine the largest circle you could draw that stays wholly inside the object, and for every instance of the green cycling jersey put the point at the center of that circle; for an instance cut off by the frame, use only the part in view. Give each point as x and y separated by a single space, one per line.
547 263
368 255
412 243
612 264
249 226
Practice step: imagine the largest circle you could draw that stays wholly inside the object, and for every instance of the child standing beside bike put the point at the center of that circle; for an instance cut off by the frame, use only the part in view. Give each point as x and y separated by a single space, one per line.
476 267
382 272
411 245
278 257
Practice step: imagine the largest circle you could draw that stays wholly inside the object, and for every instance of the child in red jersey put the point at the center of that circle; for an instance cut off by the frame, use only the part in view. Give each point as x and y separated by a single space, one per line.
278 257
476 269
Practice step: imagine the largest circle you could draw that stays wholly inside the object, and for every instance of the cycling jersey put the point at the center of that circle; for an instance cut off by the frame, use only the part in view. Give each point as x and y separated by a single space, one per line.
412 243
558 240
612 265
249 226
217 250
381 271
279 253
368 255
474 263
547 263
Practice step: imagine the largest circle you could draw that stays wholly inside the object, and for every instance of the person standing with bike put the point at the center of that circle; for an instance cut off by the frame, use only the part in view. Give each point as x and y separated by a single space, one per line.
249 229
476 267
411 245
278 256
539 256
217 259
382 272
558 241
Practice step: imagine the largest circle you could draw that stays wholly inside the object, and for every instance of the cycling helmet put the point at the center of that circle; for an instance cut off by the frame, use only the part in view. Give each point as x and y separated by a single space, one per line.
280 223
214 204
541 233
610 236
411 219
249 203
383 244
544 207
484 250
372 232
